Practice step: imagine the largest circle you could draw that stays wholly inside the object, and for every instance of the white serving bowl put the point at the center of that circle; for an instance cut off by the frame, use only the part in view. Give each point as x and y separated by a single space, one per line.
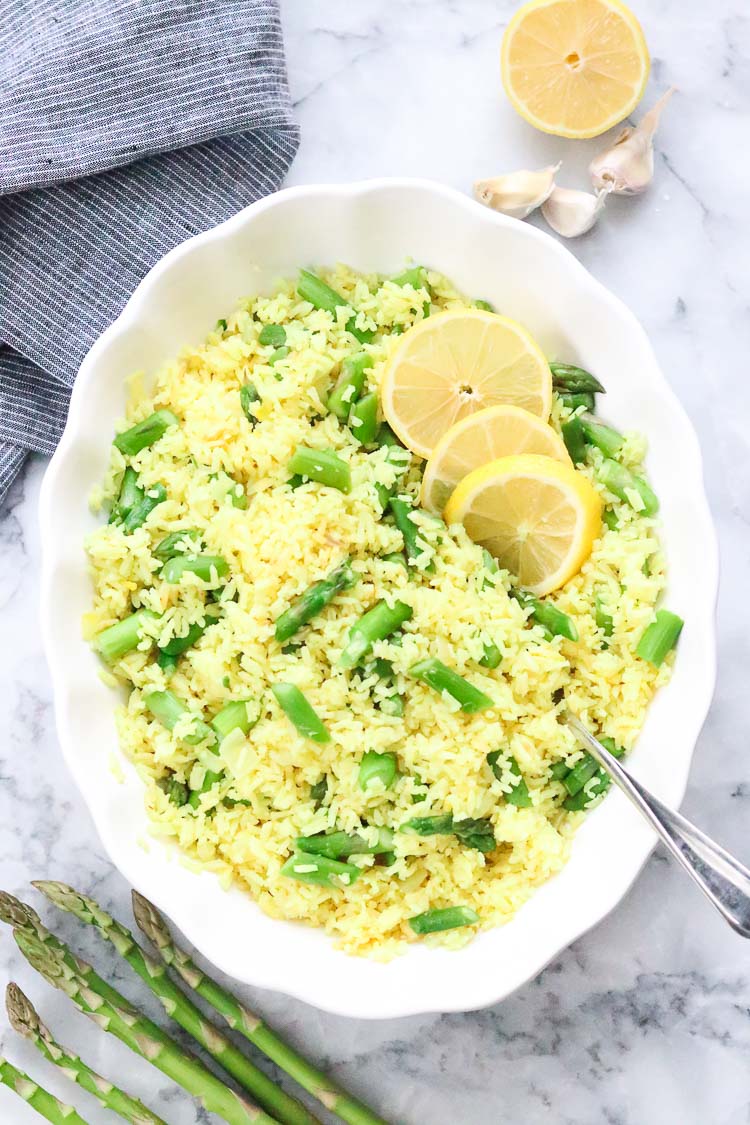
376 225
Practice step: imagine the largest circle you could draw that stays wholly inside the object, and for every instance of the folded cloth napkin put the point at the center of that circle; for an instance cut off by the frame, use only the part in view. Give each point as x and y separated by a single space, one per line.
126 126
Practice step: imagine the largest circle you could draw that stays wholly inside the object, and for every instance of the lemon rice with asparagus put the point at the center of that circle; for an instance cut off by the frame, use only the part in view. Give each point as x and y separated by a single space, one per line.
336 698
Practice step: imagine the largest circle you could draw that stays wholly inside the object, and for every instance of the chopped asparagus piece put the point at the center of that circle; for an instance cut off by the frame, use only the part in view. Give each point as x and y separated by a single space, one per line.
547 615
519 794
312 288
603 437
449 918
168 710
145 433
575 402
441 678
340 845
569 379
177 543
377 767
207 567
248 398
319 869
660 637
313 600
299 712
323 466
122 637
273 334
634 490
377 624
363 419
349 385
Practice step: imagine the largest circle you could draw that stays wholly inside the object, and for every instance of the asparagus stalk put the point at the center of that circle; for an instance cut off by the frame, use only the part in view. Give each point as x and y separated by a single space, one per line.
441 678
321 870
145 433
122 637
363 419
45 1104
178 1006
273 335
313 600
207 567
323 466
249 399
312 288
24 1019
300 712
244 1022
349 385
377 767
42 947
142 1036
339 845
449 918
377 624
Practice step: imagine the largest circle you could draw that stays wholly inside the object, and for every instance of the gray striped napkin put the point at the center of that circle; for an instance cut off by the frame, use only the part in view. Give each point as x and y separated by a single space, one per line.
126 126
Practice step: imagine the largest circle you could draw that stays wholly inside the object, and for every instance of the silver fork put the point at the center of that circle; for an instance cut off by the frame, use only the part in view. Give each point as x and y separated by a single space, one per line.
723 879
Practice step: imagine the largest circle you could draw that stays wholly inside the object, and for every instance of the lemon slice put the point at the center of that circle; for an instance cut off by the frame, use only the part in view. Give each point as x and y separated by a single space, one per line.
497 431
458 362
574 67
538 517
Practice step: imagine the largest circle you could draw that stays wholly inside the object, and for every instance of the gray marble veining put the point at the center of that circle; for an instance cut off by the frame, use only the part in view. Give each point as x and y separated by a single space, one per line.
645 1020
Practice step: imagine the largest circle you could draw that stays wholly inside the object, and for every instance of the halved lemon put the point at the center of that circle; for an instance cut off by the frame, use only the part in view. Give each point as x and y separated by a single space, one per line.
497 431
538 517
574 67
458 362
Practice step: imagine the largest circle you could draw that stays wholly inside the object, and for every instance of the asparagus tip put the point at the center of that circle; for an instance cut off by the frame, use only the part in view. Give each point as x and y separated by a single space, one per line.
16 913
149 920
67 898
22 1014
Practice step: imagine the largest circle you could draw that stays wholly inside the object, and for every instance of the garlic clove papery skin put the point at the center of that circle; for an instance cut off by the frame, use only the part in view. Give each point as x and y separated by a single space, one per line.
627 168
517 193
571 212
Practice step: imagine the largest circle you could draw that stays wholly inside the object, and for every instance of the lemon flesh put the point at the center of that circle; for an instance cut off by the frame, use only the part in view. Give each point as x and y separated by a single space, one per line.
538 517
574 68
497 431
456 363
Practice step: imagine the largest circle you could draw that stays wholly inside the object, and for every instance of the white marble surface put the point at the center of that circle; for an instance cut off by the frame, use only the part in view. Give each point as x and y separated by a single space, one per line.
645 1020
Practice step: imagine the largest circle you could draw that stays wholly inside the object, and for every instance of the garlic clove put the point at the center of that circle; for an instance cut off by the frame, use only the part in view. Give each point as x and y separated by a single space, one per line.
517 193
571 212
627 168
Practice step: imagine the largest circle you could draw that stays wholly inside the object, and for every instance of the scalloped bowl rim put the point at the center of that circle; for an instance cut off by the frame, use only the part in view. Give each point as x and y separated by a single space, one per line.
435 980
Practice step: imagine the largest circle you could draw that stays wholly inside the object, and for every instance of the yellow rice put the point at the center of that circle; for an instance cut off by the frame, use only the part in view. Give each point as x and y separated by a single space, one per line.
287 539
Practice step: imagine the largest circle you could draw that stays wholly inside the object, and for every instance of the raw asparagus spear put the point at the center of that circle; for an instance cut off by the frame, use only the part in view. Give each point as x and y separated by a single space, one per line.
24 1019
45 1104
142 1036
177 1005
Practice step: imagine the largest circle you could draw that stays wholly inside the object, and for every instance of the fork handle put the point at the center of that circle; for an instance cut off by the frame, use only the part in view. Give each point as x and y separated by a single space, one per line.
722 878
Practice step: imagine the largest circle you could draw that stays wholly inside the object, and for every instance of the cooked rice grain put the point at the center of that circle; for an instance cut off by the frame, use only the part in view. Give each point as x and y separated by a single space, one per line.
285 540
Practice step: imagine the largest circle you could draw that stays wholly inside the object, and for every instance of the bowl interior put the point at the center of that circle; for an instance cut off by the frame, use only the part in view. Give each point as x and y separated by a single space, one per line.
527 275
